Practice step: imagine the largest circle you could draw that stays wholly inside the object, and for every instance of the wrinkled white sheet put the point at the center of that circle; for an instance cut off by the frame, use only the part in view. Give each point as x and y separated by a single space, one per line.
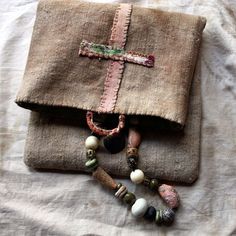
46 203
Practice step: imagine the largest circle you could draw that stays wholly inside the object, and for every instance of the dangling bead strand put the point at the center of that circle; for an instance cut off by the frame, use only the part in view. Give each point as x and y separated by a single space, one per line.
167 192
139 207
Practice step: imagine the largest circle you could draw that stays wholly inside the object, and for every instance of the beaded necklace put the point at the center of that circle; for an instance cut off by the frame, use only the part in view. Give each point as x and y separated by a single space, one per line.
139 207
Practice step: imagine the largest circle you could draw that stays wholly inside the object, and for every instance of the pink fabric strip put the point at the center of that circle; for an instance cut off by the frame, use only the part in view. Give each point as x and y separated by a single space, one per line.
115 69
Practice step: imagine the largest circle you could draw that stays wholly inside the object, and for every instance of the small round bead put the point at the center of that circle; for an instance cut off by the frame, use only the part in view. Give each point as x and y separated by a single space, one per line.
90 154
92 142
132 163
168 216
118 186
154 184
158 219
150 213
129 198
137 176
121 192
146 181
139 207
91 164
132 152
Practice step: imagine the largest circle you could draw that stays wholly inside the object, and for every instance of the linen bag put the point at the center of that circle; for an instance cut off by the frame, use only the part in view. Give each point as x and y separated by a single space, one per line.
59 86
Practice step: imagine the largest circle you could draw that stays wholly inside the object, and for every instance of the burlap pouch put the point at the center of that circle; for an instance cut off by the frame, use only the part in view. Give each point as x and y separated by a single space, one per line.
60 86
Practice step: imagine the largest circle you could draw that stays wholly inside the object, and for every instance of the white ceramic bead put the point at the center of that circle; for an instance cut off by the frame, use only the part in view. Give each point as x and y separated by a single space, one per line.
137 176
139 208
92 142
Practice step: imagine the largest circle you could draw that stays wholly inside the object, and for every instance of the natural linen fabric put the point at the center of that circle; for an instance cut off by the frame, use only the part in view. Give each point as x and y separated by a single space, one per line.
67 204
56 76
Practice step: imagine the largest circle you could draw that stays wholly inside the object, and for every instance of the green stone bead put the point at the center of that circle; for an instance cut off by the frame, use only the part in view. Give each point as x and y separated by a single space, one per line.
118 186
153 184
90 154
129 198
159 217
146 181
91 164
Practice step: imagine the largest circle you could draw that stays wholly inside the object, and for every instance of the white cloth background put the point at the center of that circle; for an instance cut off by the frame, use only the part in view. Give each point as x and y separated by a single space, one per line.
47 203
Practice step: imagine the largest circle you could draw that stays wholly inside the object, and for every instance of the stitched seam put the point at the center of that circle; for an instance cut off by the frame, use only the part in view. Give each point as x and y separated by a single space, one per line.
94 50
113 77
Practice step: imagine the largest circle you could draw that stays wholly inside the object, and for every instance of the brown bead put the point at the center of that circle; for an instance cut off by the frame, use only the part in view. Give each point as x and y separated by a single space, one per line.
104 178
134 138
132 152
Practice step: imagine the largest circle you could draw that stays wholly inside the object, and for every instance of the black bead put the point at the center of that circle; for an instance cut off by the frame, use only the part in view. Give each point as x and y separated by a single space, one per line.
150 213
168 216
114 144
132 163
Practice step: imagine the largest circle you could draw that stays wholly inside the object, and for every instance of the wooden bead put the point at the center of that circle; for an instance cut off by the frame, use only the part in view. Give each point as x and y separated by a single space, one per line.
121 192
169 195
92 142
137 176
129 198
132 152
139 207
104 178
150 213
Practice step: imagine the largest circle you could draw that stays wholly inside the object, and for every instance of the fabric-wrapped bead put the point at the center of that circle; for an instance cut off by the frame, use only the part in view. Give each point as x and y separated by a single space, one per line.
92 142
168 216
90 154
134 138
137 176
129 198
150 213
139 207
121 192
92 164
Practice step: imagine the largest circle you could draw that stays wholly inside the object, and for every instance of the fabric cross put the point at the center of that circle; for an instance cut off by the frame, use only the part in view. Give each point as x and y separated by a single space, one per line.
115 52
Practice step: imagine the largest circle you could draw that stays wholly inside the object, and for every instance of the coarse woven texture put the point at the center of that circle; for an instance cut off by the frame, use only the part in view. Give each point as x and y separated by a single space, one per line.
69 204
56 76
55 140
166 155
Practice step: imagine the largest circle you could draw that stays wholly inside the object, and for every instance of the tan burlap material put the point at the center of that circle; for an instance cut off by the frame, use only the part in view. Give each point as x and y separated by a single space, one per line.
56 77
